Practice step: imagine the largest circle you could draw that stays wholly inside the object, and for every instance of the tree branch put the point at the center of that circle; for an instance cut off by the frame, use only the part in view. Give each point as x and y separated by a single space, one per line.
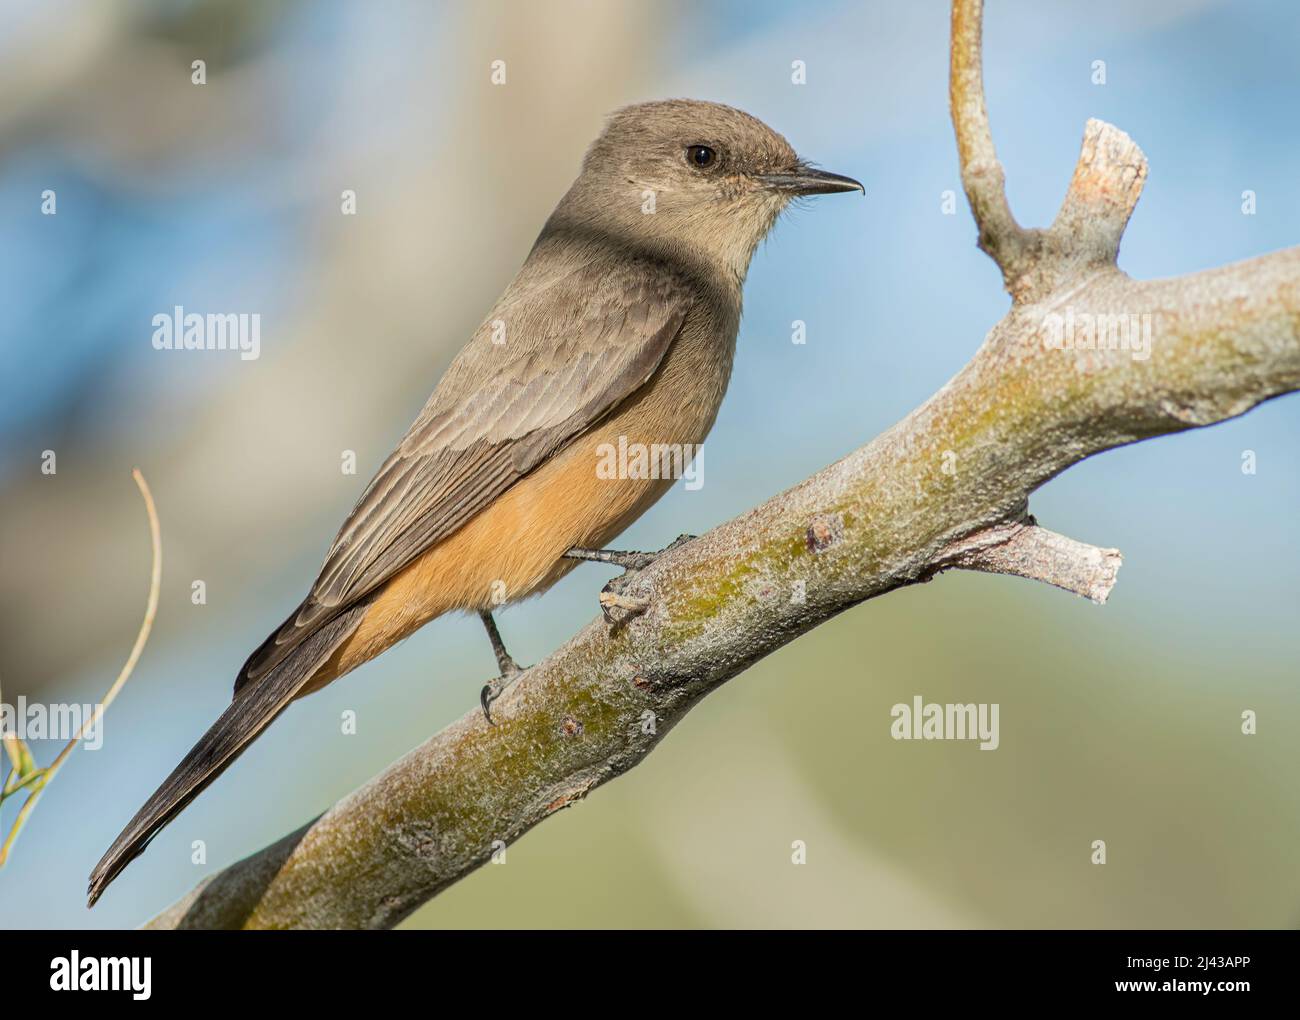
1026 550
1086 360
1000 236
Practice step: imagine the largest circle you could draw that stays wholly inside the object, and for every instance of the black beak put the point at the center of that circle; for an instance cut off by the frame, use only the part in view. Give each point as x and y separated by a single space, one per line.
807 181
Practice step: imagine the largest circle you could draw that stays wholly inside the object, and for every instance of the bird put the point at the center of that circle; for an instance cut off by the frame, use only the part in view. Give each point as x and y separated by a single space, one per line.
620 324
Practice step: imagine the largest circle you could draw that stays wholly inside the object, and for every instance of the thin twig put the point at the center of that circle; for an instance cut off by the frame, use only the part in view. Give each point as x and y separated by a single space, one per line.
41 778
982 177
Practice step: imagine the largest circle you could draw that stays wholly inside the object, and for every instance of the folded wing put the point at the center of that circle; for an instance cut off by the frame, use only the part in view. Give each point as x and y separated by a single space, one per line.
552 359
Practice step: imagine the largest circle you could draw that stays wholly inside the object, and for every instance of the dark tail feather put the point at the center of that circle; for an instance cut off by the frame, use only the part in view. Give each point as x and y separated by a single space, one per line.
253 709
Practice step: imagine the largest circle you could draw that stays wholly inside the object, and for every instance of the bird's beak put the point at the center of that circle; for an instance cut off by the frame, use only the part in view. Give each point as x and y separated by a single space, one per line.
808 181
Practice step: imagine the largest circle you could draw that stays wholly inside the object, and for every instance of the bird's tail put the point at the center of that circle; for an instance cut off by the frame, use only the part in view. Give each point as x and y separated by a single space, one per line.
253 709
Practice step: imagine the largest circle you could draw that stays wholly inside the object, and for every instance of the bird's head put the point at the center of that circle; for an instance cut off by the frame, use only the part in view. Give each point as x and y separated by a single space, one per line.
706 180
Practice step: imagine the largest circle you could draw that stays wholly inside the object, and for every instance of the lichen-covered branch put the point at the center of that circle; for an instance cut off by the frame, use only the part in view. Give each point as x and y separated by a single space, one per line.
1086 360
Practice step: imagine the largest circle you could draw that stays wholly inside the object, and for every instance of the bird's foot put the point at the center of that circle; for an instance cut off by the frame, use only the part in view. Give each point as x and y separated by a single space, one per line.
617 606
495 687
510 670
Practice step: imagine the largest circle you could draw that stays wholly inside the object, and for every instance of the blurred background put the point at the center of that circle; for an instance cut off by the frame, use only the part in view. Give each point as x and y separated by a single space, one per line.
1119 723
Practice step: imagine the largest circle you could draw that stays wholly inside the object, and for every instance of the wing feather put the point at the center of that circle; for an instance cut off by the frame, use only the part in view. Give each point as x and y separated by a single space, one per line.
574 348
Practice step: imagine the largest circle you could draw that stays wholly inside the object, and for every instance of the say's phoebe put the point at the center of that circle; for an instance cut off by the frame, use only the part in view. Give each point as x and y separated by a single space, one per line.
620 325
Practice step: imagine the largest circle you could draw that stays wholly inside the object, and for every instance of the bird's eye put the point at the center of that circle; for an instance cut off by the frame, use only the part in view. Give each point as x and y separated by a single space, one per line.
700 156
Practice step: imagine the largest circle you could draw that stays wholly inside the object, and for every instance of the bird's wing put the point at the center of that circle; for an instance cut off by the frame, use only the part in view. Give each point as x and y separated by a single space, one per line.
549 361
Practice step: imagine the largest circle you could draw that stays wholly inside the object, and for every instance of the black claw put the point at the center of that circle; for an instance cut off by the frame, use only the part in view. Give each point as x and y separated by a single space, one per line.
604 609
486 697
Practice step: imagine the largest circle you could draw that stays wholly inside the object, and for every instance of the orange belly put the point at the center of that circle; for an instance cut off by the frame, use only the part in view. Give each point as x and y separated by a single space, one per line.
515 547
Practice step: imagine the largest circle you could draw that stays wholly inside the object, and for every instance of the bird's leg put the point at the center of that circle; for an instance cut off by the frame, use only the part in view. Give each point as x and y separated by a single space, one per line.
508 667
611 596
627 560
